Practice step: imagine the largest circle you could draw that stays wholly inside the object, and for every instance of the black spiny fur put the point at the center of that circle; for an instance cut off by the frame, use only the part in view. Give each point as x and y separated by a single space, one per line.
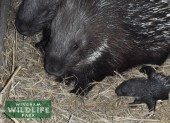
148 91
90 39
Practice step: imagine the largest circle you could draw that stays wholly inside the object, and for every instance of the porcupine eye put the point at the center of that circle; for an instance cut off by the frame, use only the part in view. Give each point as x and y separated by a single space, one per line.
75 46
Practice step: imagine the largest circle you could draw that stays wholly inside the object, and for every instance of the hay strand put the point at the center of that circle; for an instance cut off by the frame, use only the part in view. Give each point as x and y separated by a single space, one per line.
10 80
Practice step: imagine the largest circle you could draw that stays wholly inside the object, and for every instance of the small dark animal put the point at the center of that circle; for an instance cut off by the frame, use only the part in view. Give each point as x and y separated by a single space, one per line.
90 39
148 91
35 15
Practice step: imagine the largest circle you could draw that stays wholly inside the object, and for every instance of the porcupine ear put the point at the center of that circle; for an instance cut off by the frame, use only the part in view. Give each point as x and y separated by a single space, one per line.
147 70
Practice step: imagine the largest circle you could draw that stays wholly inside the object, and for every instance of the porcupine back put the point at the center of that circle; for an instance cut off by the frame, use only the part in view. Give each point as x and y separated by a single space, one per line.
150 19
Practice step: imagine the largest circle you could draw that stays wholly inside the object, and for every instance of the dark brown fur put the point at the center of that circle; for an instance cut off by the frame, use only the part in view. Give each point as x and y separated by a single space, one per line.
148 91
35 15
92 39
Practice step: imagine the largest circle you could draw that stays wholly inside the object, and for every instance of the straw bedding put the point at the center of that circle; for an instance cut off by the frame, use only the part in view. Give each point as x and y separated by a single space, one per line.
101 105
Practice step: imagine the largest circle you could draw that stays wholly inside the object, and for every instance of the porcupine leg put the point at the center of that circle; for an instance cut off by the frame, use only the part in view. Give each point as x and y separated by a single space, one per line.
151 103
147 70
67 79
136 101
43 43
82 86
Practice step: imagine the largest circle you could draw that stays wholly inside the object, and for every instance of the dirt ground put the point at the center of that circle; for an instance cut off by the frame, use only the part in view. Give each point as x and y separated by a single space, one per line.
101 105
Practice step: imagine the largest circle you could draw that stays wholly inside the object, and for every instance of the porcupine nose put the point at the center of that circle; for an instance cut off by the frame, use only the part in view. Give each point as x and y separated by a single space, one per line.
54 67
118 92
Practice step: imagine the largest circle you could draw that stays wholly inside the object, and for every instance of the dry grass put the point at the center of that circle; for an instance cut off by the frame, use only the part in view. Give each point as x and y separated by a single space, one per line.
101 105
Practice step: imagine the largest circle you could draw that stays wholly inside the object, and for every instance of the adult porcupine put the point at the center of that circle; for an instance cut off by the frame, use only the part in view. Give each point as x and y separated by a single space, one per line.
92 38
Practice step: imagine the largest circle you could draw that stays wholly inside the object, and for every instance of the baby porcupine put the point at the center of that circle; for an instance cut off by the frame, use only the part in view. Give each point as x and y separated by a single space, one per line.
155 87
